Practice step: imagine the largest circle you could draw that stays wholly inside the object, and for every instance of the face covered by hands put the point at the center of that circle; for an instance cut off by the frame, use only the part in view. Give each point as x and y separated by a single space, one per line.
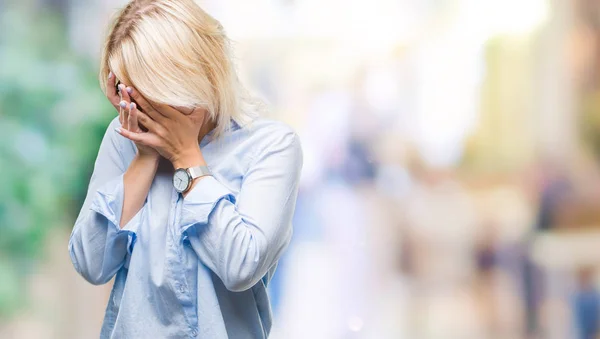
172 132
119 98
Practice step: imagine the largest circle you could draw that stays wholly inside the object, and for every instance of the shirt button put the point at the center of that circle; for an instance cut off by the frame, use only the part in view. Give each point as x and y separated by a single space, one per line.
194 332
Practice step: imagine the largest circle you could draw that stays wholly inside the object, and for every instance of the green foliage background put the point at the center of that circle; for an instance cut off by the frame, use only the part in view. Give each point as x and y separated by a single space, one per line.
52 117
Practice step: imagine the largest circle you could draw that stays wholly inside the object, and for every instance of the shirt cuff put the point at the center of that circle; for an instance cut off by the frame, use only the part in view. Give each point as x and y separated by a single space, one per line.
108 201
201 201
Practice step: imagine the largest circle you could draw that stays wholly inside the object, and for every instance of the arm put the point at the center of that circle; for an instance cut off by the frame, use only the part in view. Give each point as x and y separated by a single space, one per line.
136 182
241 240
98 246
141 171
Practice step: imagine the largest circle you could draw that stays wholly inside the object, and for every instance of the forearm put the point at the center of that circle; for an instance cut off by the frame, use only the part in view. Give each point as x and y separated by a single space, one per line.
98 247
137 181
238 249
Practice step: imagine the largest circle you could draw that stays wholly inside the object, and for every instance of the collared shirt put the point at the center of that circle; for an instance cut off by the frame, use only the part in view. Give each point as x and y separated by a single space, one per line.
193 267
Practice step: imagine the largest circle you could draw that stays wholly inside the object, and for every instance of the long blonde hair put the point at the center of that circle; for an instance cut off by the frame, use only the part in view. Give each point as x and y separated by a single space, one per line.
174 53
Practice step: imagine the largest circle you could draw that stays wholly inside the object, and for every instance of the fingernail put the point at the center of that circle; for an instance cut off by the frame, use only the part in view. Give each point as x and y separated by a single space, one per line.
118 130
110 74
123 104
132 106
129 90
121 87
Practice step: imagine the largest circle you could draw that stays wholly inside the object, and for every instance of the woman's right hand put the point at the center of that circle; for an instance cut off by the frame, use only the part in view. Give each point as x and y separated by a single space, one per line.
127 113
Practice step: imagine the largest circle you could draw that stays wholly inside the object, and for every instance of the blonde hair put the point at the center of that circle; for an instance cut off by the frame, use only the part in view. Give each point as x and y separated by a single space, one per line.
174 53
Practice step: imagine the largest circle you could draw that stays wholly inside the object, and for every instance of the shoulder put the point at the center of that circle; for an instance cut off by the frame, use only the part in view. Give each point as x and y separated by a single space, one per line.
110 129
116 143
111 134
111 137
269 129
114 123
271 136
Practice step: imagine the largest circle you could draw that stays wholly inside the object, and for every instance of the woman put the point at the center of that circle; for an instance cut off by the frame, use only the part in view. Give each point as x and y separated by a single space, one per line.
192 249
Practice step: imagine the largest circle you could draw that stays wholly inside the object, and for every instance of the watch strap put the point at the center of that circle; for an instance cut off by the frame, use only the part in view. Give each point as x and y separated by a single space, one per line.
198 171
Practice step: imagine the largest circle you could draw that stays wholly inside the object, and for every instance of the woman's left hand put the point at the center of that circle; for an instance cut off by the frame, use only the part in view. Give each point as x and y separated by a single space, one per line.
172 133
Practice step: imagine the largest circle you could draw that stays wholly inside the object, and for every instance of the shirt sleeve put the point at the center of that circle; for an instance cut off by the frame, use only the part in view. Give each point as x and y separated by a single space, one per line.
240 240
98 246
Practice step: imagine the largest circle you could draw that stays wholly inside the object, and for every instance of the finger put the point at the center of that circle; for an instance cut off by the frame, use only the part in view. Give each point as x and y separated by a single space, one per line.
168 111
148 108
142 138
120 111
150 124
141 101
111 91
124 98
132 121
124 90
199 115
184 110
124 114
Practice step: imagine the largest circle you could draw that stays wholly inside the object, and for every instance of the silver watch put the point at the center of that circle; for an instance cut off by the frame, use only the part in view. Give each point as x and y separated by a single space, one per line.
183 177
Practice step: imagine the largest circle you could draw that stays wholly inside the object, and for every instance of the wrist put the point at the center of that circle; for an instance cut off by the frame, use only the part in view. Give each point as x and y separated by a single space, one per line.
148 158
189 158
148 154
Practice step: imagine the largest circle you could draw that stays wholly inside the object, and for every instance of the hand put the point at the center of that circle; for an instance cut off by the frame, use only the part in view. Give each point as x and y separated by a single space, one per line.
128 114
174 134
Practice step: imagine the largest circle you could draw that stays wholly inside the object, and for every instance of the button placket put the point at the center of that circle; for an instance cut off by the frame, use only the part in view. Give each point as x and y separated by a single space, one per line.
181 289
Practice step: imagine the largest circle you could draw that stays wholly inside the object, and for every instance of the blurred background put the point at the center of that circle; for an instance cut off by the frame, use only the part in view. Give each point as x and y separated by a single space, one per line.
451 181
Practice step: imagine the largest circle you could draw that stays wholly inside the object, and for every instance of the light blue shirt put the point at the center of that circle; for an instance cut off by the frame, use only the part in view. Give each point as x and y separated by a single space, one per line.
193 267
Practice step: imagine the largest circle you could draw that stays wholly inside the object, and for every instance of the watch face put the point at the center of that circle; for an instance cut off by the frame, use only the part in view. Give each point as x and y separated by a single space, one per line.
181 180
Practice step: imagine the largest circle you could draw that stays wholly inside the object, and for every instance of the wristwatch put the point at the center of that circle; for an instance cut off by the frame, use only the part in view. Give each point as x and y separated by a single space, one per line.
183 177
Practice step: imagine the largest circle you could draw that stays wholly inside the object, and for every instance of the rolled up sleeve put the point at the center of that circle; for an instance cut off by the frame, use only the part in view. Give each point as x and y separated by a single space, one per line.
98 246
240 238
201 201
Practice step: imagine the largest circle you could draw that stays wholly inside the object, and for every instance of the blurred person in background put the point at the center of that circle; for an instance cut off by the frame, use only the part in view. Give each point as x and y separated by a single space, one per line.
586 305
192 195
486 263
554 189
443 221
329 261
